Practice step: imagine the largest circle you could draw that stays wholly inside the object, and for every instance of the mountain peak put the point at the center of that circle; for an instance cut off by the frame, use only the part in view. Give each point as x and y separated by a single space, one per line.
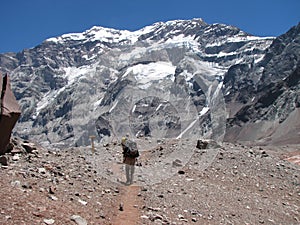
94 72
98 33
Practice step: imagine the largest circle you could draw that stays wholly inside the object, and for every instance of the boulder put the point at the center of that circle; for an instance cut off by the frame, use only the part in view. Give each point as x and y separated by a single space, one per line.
201 144
3 160
9 114
207 144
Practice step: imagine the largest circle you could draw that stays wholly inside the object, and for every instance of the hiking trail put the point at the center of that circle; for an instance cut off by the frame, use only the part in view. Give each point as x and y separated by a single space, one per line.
128 211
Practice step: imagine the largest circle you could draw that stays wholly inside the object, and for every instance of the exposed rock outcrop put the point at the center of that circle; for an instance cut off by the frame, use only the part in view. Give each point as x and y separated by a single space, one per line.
266 110
9 114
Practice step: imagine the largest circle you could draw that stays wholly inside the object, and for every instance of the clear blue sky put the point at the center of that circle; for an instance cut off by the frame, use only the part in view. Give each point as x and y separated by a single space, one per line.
26 23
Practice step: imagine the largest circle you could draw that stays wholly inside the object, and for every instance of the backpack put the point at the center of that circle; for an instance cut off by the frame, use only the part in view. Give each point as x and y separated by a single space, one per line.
130 149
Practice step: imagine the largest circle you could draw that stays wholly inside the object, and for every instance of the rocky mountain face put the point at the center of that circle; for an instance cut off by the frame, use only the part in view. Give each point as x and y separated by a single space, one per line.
179 79
268 94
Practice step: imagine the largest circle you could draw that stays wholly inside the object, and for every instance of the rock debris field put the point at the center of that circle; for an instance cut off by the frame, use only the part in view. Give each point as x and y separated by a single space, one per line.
222 184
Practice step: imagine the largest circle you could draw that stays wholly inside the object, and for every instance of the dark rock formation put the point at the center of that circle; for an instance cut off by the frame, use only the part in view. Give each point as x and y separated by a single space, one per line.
9 114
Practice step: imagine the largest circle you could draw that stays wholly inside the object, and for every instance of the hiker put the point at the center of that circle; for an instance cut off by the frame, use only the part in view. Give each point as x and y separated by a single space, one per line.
130 154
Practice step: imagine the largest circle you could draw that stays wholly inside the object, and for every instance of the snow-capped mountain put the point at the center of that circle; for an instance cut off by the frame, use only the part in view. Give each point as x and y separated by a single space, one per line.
182 78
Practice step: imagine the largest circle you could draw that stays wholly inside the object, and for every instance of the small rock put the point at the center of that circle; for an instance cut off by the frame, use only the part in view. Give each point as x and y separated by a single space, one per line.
102 216
121 207
82 202
17 151
189 179
16 183
181 172
10 147
154 209
177 163
16 157
3 160
79 220
42 170
194 212
49 221
144 189
144 217
210 217
264 154
107 190
157 217
180 216
52 190
28 147
26 186
52 197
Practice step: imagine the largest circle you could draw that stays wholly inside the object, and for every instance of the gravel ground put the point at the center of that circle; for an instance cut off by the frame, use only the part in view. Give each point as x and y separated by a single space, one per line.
224 184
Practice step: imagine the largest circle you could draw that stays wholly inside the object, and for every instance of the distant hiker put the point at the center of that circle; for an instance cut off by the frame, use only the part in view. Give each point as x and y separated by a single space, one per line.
130 155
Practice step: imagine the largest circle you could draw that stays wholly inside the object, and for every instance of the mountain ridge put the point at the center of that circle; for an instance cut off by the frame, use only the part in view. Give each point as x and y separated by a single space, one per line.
203 56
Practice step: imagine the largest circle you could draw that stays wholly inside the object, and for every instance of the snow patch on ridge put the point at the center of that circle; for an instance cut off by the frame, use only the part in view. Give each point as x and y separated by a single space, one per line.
146 73
102 34
46 100
72 73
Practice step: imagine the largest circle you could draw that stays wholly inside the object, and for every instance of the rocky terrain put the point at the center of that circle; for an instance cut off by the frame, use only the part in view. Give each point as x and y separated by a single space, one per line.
214 110
239 185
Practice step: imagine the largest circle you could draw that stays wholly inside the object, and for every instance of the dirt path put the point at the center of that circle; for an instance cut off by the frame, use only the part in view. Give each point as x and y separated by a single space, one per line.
130 204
